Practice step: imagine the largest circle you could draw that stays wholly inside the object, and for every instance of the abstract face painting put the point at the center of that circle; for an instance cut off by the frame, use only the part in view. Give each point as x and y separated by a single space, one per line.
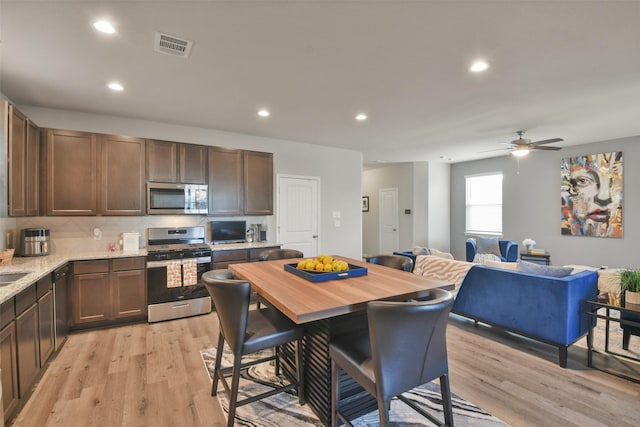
591 195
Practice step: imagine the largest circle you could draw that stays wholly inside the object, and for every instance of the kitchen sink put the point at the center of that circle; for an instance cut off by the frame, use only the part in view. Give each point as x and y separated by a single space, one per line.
9 278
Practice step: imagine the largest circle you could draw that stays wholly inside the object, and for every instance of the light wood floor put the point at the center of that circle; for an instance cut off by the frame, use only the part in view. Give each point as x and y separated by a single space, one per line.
152 375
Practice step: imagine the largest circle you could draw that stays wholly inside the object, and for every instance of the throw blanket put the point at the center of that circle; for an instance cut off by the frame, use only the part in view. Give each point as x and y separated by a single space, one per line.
448 270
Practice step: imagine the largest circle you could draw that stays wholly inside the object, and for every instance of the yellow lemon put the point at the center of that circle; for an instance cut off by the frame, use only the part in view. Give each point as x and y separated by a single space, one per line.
301 264
327 267
319 267
328 259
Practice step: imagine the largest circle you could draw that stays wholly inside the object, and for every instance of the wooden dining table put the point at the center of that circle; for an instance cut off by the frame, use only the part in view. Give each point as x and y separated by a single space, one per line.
329 309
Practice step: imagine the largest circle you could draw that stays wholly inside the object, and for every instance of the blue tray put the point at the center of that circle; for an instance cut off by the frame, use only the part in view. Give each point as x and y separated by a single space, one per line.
320 276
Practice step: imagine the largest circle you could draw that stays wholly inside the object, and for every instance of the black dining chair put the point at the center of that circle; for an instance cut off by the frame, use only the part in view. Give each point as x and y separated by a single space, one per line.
399 262
406 347
271 254
248 331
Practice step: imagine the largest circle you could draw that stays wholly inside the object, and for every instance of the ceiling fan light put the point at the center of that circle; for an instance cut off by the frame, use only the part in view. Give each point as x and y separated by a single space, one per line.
520 152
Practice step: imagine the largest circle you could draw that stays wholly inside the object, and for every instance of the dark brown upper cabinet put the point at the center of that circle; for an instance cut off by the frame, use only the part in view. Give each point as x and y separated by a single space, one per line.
122 175
226 196
176 162
258 183
24 155
240 182
94 174
71 172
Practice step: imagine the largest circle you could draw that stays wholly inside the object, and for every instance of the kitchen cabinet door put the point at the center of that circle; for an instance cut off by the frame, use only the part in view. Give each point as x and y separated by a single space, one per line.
225 182
193 163
91 301
46 324
129 294
28 344
9 366
17 139
122 176
162 161
71 159
32 170
258 183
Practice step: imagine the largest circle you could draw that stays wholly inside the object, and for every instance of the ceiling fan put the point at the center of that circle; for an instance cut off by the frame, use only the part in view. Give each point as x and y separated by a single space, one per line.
522 146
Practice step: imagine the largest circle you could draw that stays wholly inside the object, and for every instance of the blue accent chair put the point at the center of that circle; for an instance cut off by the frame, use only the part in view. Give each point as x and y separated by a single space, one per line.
508 249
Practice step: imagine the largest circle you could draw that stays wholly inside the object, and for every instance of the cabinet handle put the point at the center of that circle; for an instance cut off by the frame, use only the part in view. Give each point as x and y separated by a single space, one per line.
180 305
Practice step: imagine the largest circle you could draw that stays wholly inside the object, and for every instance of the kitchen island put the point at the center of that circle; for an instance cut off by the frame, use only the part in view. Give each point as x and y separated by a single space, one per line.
329 309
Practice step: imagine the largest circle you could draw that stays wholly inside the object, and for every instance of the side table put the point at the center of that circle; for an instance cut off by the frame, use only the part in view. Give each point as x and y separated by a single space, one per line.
611 302
544 259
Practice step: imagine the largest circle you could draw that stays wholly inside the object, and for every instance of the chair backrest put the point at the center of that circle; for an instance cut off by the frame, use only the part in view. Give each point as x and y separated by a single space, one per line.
408 342
271 254
231 300
399 262
220 273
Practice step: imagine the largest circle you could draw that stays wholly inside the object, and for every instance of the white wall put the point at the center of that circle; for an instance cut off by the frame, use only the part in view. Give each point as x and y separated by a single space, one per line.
423 187
398 176
339 170
438 219
531 205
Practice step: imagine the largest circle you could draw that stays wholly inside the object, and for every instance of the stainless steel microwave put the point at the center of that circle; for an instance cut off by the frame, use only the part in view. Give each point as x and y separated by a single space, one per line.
167 199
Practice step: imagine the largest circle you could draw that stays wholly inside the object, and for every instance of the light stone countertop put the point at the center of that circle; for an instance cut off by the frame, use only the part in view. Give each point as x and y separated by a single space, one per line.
38 267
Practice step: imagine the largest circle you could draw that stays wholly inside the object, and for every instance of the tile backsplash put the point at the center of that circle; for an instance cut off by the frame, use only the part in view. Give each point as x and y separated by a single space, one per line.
76 234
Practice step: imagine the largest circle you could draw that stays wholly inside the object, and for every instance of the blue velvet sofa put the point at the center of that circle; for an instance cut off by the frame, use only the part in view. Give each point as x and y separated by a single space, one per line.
508 250
548 309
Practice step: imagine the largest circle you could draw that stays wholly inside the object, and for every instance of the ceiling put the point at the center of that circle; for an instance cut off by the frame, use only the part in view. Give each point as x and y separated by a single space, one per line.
568 69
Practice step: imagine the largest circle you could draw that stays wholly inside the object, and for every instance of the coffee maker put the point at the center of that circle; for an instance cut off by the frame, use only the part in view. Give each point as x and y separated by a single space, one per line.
258 232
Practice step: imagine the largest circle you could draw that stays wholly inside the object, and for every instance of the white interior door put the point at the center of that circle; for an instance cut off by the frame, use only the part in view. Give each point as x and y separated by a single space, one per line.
388 208
298 206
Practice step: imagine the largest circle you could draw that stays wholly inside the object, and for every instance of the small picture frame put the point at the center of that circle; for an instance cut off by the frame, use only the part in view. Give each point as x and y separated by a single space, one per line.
365 203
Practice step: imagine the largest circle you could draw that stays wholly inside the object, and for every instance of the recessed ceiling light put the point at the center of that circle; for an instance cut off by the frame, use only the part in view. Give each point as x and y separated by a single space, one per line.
264 113
361 117
104 27
115 86
478 67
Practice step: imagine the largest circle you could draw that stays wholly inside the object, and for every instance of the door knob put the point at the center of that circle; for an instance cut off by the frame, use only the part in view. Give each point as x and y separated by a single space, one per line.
315 236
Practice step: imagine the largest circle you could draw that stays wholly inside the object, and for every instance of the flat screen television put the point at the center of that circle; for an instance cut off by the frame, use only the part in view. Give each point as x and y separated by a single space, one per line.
228 231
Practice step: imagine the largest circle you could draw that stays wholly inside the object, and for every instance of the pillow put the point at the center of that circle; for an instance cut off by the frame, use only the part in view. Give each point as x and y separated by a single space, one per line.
543 270
440 254
419 250
488 245
485 258
609 280
503 265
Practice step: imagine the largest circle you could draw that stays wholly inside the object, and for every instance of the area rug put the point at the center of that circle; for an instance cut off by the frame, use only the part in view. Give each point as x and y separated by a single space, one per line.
283 409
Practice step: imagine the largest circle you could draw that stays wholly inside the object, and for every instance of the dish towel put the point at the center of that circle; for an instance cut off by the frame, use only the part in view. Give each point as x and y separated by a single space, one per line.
189 272
174 274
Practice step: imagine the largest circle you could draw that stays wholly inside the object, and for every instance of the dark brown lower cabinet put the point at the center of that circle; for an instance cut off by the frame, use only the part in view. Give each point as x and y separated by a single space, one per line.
108 291
91 298
9 365
46 326
129 296
28 354
222 259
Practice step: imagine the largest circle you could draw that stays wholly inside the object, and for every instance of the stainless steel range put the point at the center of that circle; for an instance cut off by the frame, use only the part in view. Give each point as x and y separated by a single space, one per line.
177 258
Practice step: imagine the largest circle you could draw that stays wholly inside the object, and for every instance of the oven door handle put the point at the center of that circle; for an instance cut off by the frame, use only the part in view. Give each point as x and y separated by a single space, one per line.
156 264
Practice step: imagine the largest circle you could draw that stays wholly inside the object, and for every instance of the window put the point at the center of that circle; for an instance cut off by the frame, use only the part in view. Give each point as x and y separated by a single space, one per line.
484 204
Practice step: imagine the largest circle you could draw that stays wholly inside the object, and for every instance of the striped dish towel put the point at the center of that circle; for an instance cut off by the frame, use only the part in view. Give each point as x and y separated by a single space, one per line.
189 272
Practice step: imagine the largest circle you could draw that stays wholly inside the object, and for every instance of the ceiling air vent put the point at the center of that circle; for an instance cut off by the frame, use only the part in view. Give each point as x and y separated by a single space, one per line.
172 45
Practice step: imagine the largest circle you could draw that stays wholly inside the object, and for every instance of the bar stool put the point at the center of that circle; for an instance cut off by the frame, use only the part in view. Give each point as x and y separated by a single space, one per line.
248 332
399 262
271 254
405 348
